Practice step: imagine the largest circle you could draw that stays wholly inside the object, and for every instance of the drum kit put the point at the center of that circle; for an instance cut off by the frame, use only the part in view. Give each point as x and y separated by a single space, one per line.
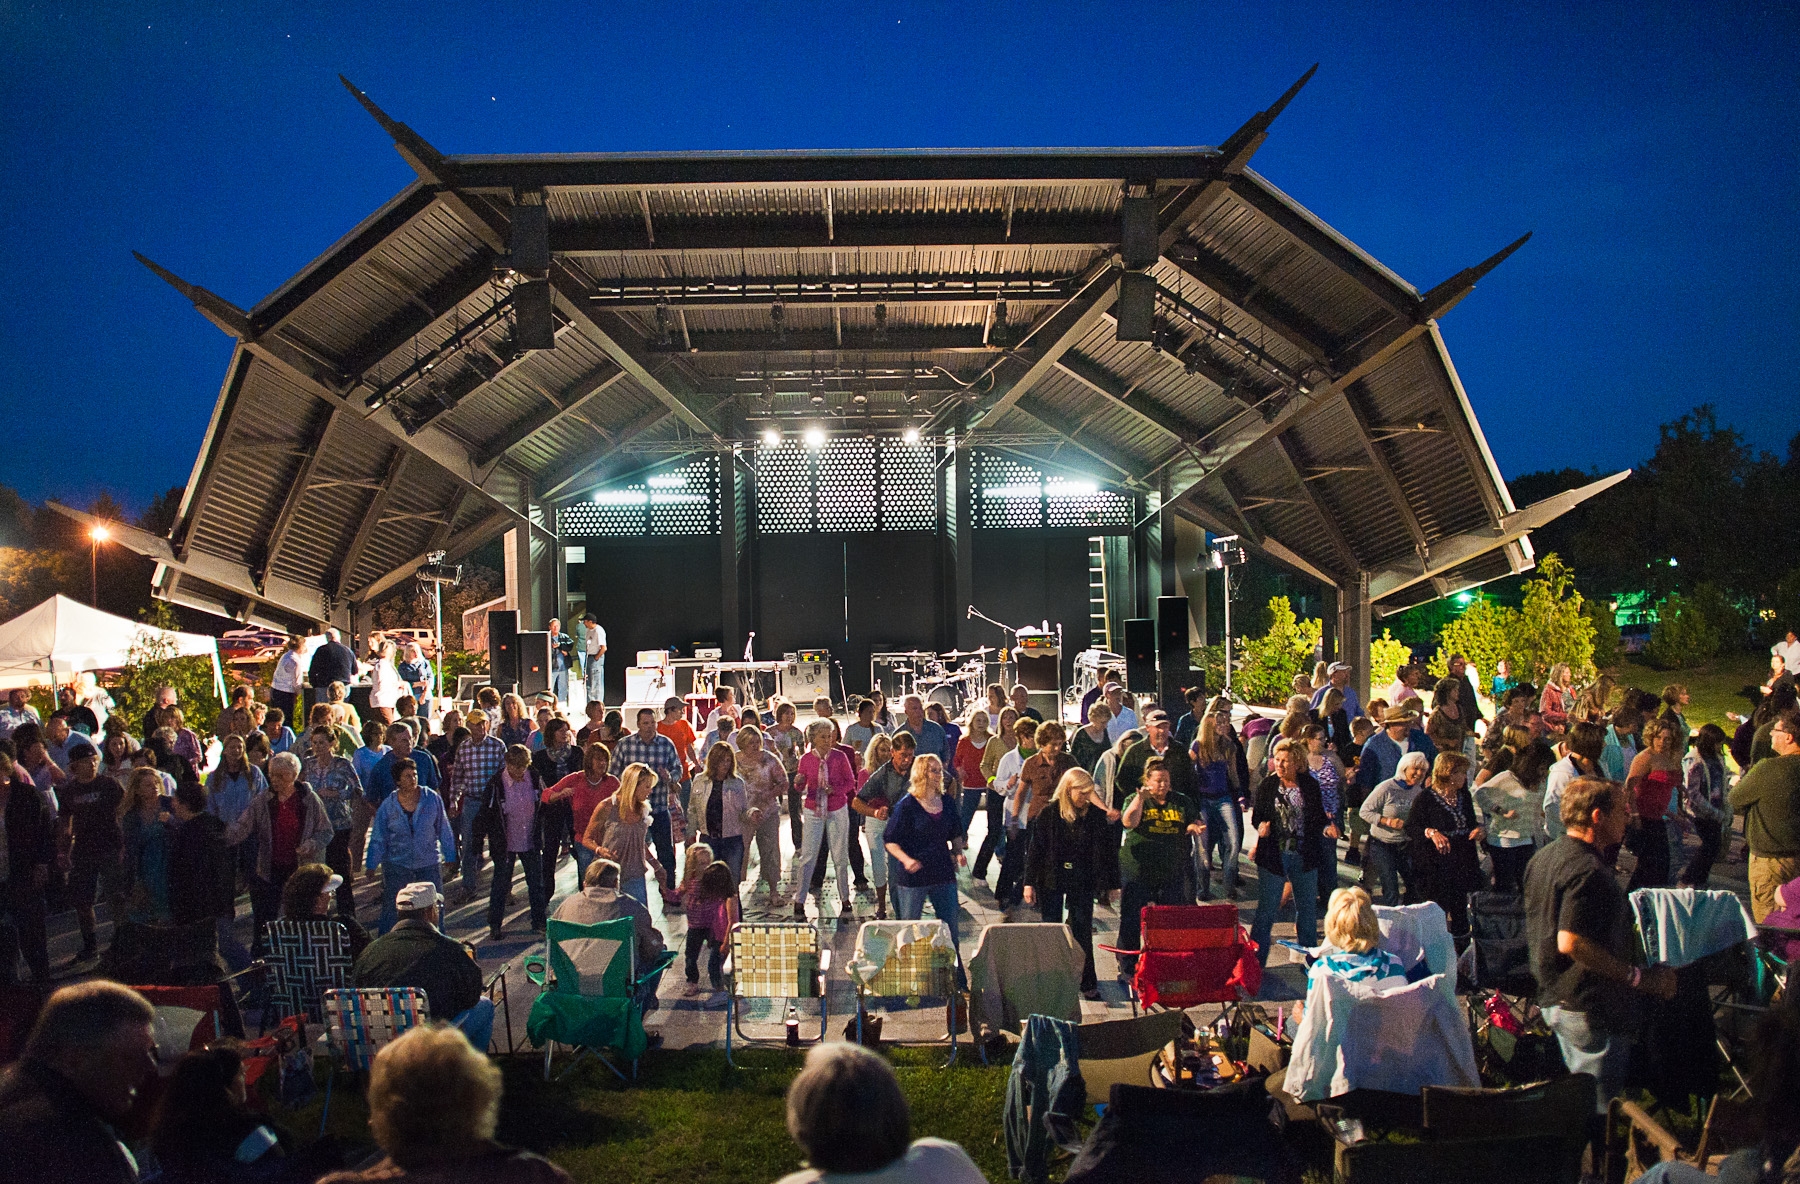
955 679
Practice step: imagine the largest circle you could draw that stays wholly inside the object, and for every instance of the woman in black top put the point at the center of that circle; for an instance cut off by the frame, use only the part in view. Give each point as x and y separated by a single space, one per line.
1289 816
1073 854
1444 840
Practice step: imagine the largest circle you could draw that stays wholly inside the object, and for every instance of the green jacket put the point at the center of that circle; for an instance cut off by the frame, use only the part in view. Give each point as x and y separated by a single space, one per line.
415 954
1768 797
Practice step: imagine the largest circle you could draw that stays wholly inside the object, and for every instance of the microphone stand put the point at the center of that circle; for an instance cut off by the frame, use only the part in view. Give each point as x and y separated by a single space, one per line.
975 613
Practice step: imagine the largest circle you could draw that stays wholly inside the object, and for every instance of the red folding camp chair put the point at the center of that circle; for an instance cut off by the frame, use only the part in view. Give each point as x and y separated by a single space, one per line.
1192 954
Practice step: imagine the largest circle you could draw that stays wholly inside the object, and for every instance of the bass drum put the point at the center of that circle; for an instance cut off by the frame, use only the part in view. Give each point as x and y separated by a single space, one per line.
950 695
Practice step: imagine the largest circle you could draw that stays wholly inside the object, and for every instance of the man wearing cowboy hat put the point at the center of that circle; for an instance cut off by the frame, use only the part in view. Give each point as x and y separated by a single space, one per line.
1400 734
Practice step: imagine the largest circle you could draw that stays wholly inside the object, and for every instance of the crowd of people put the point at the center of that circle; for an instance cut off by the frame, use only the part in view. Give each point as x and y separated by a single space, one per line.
1432 792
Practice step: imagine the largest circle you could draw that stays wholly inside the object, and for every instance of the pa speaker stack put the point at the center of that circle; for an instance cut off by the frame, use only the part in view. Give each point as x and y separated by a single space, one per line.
1140 656
1173 660
534 663
503 649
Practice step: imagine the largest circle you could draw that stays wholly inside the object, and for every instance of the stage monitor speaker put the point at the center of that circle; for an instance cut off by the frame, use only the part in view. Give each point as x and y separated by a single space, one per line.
534 662
1140 656
1173 660
1136 307
503 646
1039 672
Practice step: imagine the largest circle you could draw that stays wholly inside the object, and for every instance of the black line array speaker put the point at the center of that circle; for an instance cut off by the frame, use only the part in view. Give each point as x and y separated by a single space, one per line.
534 662
1135 310
1140 656
503 648
1174 668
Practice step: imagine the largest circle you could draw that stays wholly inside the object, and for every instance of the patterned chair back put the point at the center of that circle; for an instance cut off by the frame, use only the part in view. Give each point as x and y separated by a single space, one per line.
774 960
904 958
309 958
360 1022
593 960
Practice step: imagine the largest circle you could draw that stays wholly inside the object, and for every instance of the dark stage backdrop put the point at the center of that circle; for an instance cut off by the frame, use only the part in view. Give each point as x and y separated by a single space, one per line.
1026 577
650 594
663 592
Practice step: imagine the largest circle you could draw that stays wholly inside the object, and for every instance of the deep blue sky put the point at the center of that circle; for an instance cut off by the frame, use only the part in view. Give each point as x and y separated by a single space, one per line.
1651 148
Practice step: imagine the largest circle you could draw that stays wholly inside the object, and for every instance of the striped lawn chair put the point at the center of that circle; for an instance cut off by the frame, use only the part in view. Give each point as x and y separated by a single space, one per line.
907 960
773 960
360 1022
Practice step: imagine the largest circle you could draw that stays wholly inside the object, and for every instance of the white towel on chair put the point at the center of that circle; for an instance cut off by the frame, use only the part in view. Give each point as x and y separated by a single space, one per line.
1679 926
1354 1036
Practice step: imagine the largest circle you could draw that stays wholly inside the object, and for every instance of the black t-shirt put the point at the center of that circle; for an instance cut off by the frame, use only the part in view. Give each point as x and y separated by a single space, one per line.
1568 886
92 808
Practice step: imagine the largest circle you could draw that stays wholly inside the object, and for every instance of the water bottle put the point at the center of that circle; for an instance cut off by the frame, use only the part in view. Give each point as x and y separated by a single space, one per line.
793 1026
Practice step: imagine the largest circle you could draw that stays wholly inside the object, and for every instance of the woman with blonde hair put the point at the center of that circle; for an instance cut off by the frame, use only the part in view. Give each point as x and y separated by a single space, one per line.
337 695
765 784
1555 702
144 825
1073 855
620 830
385 686
1353 935
720 804
923 839
434 1101
1443 841
516 726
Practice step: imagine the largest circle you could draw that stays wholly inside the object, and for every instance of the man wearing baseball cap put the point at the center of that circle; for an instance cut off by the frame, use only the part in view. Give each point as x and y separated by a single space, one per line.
414 953
1338 675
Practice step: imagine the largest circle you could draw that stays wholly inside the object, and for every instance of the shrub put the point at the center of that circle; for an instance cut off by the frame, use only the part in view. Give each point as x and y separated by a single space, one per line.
1552 626
1386 656
152 663
1606 634
1271 661
1691 630
1483 635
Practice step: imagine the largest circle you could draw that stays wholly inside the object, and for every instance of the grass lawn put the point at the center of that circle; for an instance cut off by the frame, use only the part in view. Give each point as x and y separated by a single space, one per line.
690 1117
1713 688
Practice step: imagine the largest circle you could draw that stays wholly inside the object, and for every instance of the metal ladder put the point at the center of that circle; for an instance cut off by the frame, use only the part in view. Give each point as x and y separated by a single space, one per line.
1097 632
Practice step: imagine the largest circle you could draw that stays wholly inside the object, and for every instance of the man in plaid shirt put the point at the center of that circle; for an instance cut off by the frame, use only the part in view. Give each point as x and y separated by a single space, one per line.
649 747
480 757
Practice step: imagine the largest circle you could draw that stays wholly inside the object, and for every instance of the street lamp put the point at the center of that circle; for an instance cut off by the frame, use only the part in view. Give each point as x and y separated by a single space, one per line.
97 534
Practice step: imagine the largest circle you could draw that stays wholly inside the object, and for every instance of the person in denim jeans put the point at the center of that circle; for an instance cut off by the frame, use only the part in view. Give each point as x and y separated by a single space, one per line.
1219 810
1290 824
1385 810
477 760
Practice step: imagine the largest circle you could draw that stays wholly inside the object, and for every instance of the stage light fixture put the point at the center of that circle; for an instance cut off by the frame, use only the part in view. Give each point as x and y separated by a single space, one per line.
814 437
910 435
771 438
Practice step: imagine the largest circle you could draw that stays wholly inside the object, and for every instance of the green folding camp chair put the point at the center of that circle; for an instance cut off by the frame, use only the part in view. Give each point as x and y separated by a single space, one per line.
591 979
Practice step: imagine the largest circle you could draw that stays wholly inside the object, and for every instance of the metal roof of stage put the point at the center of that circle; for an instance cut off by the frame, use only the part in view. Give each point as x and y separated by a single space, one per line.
1295 392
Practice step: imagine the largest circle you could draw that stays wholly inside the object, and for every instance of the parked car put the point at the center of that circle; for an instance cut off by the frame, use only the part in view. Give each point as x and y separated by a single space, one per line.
426 638
1633 638
252 643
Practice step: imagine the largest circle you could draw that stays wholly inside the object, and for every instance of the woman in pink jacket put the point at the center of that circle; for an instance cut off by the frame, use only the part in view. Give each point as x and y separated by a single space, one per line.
825 780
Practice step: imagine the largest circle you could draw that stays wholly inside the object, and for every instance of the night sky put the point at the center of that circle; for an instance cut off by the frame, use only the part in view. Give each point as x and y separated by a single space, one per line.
1651 148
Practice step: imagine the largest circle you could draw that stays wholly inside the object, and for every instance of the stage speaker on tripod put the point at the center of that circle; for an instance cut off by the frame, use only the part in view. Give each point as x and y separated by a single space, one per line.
1175 672
1140 656
534 663
503 648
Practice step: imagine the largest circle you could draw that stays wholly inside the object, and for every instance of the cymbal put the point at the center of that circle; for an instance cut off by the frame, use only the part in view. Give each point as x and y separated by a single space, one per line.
986 649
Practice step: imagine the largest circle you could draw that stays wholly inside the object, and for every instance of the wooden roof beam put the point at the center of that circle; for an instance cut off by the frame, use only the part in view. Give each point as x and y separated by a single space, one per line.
390 479
1313 501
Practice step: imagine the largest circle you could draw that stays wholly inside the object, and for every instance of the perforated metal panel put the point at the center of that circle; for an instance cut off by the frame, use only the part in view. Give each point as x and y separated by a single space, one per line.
909 495
784 489
1012 495
1104 508
681 500
846 485
845 472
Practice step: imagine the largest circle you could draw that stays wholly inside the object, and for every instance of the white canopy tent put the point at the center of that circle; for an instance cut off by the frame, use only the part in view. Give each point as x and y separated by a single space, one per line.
61 638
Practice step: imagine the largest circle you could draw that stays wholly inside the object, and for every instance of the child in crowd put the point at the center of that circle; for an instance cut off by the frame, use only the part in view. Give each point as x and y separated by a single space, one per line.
712 909
275 727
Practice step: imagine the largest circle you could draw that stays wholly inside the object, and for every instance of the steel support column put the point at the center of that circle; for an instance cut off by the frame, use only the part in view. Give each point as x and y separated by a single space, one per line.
1353 629
731 623
962 532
